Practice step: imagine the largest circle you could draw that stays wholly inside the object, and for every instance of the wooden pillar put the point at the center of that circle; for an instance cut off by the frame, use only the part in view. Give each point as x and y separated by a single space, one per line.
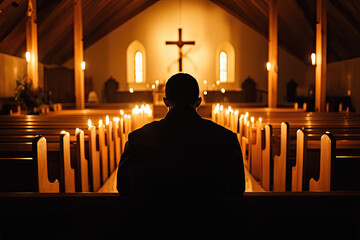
320 70
273 55
32 44
78 55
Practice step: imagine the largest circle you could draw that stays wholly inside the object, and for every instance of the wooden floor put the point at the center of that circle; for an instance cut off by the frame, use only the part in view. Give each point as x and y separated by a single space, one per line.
251 184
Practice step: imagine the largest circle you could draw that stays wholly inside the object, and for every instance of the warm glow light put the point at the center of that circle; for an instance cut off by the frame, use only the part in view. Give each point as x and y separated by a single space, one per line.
260 119
313 59
27 56
153 86
268 66
217 82
139 67
131 90
64 132
157 82
223 90
77 129
223 66
89 123
205 92
107 120
100 123
349 92
121 112
252 119
83 65
205 82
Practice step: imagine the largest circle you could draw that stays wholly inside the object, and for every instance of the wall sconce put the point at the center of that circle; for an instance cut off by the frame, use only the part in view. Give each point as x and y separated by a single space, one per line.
313 59
27 56
83 65
268 66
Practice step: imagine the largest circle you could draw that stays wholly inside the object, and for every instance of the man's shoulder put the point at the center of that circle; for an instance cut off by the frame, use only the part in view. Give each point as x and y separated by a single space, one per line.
147 129
216 128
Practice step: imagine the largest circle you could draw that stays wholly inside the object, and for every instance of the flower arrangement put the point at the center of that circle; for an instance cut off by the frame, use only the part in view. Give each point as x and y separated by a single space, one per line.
32 98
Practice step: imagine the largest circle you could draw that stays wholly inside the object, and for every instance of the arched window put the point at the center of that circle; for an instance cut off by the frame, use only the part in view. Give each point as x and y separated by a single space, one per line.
225 63
136 64
223 66
139 67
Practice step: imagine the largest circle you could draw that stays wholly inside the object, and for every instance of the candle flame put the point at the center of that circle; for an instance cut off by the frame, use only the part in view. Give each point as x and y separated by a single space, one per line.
100 123
89 123
121 112
107 120
252 119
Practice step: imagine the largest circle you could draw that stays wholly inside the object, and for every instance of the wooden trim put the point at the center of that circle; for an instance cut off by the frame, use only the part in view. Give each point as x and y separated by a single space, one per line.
280 161
83 162
65 161
301 154
266 159
327 155
40 157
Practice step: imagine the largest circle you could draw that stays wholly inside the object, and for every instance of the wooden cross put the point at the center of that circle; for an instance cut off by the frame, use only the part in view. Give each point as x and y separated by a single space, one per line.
180 44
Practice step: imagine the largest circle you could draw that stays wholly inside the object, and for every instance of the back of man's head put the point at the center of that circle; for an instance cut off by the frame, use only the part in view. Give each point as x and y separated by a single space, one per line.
182 89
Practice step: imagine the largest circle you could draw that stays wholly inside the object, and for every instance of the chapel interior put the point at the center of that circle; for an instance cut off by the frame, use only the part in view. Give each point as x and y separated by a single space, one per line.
77 76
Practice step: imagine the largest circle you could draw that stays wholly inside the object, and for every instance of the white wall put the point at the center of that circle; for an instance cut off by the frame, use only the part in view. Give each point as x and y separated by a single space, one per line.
11 69
201 21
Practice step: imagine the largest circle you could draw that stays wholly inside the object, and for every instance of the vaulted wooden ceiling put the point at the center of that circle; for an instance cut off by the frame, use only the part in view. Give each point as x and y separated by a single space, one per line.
297 23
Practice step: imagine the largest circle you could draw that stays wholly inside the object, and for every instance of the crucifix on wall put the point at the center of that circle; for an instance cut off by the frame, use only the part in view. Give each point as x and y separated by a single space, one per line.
180 43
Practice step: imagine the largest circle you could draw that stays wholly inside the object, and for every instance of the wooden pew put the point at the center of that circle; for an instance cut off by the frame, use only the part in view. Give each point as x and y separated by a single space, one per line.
332 162
24 166
110 143
58 156
284 148
330 215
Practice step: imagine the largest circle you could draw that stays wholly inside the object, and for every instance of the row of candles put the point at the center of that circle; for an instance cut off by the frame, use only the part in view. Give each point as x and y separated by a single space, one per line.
230 119
125 123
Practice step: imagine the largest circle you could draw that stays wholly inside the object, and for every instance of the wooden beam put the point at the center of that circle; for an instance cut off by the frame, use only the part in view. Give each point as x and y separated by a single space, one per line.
273 55
78 56
320 71
32 44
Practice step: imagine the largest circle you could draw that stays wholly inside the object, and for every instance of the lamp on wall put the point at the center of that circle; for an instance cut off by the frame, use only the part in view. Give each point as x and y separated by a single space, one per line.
27 56
83 65
313 59
268 66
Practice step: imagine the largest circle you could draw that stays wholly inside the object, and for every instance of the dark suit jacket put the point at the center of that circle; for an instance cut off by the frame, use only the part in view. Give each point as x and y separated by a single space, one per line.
181 155
184 165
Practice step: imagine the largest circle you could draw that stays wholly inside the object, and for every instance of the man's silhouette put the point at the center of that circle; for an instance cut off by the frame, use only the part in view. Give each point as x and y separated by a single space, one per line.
182 167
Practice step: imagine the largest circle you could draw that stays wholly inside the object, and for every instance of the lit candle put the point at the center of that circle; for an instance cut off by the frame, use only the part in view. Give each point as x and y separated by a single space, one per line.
260 122
252 119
